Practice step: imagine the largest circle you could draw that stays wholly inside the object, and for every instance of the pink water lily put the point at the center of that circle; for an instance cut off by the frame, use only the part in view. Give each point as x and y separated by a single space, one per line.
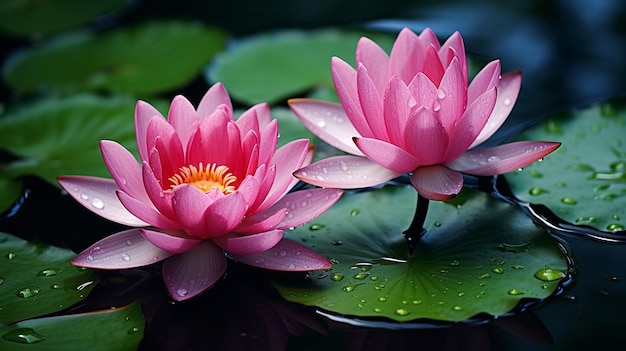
414 112
207 184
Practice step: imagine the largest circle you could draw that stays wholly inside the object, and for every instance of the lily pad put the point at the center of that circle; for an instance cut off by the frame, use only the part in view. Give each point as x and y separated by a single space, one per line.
273 67
59 136
115 329
37 279
479 256
584 181
34 17
147 59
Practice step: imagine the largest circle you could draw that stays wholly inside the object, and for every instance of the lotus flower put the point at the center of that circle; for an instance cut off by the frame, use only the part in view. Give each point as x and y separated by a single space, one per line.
206 185
413 112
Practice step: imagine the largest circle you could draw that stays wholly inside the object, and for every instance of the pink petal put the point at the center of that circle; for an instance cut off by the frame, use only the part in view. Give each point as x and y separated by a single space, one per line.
248 121
433 69
371 103
262 222
249 244
425 137
287 159
223 215
437 182
398 103
161 199
268 141
344 78
387 155
345 172
454 47
328 121
188 274
287 255
214 97
183 117
306 205
423 90
126 249
249 189
209 140
470 124
407 55
146 212
169 243
376 60
508 90
189 204
502 158
144 112
451 95
484 80
99 196
124 169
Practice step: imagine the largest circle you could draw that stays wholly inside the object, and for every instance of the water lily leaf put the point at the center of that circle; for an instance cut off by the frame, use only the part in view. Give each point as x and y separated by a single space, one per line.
37 279
272 67
480 255
31 17
584 181
58 136
147 59
115 329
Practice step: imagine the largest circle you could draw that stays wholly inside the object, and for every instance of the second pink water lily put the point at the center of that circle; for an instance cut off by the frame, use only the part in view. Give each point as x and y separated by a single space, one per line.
414 111
207 184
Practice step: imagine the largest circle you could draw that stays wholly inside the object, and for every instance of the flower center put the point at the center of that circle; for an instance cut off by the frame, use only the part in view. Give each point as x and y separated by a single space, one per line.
205 178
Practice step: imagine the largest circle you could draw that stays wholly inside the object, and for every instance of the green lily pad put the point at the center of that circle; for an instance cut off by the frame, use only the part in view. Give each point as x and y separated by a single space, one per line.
59 136
37 279
147 59
115 329
273 67
34 17
584 181
479 256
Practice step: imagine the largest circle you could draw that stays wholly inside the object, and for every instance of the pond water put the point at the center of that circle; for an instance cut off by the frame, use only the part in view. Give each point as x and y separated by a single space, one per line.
571 54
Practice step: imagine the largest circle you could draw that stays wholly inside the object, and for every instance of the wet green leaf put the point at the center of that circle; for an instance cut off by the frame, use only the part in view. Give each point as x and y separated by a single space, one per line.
584 181
60 136
147 59
37 279
272 67
34 17
480 255
116 329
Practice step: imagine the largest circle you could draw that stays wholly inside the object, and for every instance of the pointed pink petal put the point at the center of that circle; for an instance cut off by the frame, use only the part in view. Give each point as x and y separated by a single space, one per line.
484 80
287 159
407 56
345 172
99 196
437 182
425 137
344 78
398 103
249 189
433 69
187 275
223 215
328 121
454 47
305 205
124 169
371 103
287 255
262 222
161 199
451 95
470 124
211 142
428 37
268 141
183 117
249 244
375 59
502 158
144 112
214 97
126 249
508 90
146 212
189 204
248 121
169 243
423 90
387 155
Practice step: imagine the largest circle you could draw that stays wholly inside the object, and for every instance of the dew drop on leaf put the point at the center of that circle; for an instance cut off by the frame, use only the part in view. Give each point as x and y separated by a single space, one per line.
23 336
549 274
28 292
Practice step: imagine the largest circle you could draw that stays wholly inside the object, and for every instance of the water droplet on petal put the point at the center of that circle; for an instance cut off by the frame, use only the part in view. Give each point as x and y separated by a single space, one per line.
125 257
182 292
84 196
436 106
507 101
441 94
97 203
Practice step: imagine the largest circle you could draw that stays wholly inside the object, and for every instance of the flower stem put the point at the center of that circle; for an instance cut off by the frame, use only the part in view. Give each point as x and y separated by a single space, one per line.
416 230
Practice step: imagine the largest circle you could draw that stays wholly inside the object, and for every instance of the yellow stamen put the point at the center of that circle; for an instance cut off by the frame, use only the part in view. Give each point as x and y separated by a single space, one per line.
205 178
